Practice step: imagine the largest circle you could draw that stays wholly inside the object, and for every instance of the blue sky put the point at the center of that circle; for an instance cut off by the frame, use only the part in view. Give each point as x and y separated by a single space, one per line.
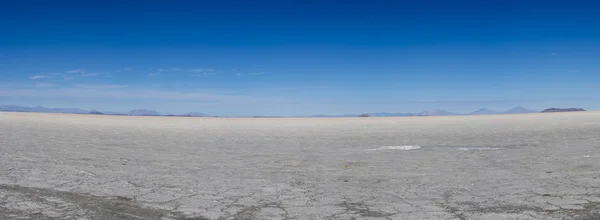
300 57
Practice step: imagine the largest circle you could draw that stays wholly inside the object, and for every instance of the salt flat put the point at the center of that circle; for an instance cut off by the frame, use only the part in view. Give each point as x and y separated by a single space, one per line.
531 166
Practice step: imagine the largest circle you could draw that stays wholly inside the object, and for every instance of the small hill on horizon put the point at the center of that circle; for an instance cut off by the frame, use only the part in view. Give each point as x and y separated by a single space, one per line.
196 114
94 112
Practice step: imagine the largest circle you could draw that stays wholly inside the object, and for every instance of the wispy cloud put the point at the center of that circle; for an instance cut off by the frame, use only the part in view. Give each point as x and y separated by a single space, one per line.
100 86
256 74
74 71
89 92
38 77
199 70
124 70
158 72
89 74
44 85
168 70
204 71
68 75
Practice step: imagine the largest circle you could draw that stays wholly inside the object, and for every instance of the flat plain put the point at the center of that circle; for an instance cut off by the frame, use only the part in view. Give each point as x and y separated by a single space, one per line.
529 166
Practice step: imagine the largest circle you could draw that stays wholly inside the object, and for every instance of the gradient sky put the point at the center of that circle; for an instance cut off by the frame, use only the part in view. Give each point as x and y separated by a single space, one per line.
300 57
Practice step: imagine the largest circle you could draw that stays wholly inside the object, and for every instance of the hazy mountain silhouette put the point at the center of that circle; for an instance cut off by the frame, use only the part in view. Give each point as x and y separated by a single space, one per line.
143 112
518 110
389 114
16 108
436 112
483 111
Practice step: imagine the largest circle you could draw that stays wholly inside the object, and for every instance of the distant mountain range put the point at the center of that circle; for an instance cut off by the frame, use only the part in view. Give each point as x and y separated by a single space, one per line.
515 110
147 112
437 112
16 108
483 111
135 112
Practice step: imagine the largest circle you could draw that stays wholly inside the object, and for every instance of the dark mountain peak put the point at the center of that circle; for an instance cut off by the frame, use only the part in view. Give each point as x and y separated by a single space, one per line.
563 110
95 112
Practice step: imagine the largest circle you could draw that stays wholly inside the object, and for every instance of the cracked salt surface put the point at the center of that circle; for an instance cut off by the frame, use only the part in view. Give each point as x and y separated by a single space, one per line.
107 167
408 147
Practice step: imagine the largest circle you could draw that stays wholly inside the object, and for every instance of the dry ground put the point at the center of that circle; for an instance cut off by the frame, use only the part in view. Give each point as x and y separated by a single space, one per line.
533 166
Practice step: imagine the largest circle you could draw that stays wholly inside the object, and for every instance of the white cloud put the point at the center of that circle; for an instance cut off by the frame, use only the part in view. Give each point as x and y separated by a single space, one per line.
68 75
238 74
38 77
74 71
153 74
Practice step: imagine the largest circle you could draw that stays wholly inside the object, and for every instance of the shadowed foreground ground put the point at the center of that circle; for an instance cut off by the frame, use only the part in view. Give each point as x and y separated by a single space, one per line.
535 166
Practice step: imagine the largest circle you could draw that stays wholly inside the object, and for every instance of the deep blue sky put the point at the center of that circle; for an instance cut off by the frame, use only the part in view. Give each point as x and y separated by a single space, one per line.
300 57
